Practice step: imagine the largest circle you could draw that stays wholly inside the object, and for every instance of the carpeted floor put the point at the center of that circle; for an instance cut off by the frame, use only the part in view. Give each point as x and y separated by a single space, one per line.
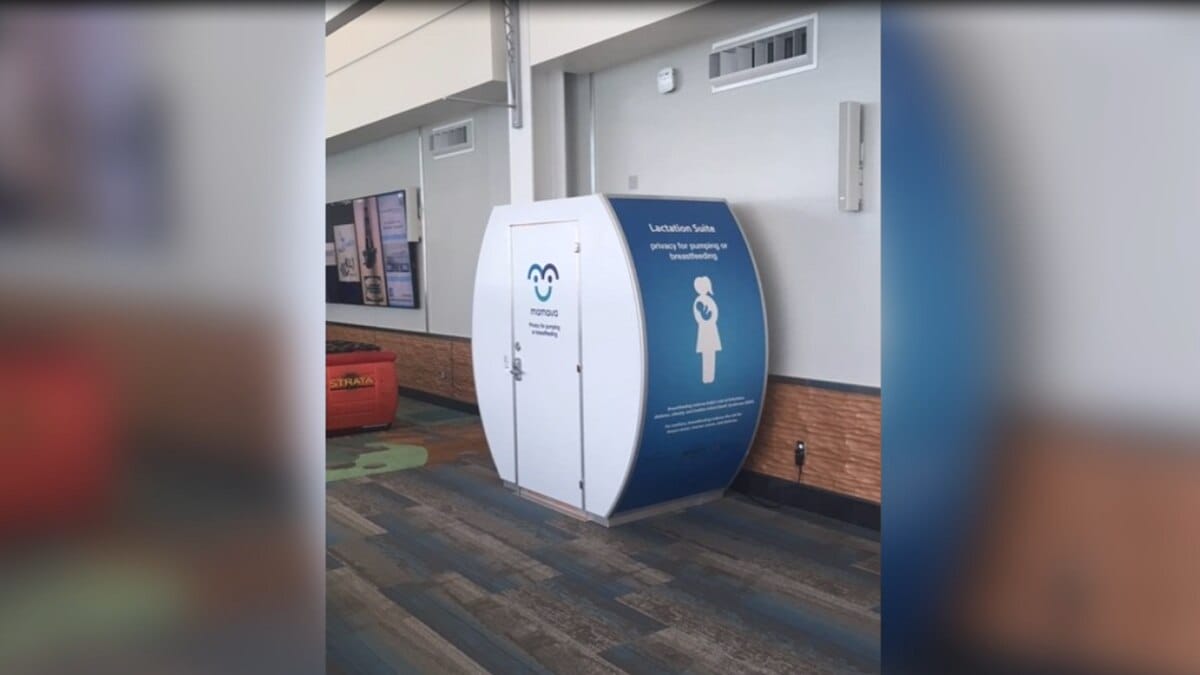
422 433
440 569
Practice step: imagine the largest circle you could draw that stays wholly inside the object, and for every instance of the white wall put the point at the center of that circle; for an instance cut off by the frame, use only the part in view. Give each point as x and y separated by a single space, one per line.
458 194
557 28
369 169
382 166
549 136
381 25
771 149
400 56
577 109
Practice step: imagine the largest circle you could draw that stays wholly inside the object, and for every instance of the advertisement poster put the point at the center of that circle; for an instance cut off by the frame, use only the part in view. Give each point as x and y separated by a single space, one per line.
345 245
366 223
393 229
706 346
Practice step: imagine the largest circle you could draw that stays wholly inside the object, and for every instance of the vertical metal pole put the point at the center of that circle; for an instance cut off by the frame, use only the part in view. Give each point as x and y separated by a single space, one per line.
512 52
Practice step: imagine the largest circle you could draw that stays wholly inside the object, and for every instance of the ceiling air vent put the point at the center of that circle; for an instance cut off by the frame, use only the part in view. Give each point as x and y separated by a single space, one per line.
777 50
452 139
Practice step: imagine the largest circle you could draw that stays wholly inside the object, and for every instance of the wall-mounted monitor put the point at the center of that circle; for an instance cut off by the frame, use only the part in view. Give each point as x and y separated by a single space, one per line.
374 259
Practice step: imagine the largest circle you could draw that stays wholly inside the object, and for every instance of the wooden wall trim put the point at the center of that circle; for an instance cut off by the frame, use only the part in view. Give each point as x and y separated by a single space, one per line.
839 424
841 433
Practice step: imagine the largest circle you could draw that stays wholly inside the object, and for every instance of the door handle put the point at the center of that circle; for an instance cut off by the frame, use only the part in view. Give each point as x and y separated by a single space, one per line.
516 369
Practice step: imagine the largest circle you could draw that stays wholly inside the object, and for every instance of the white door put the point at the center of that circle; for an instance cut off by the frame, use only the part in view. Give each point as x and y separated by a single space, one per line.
545 359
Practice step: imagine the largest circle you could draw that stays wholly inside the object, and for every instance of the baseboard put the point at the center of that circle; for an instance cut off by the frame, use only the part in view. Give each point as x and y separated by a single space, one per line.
658 509
789 493
439 400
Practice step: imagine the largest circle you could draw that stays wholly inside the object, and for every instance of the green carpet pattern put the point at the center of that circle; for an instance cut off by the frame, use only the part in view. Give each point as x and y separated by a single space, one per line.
392 457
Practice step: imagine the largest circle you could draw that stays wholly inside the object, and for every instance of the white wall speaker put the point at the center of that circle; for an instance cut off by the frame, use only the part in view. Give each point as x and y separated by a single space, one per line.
850 156
413 213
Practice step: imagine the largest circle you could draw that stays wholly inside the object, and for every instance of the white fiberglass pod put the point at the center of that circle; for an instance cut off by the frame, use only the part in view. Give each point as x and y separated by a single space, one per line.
620 351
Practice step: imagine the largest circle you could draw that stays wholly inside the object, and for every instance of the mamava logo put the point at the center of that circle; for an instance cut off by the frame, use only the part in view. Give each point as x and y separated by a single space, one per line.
539 275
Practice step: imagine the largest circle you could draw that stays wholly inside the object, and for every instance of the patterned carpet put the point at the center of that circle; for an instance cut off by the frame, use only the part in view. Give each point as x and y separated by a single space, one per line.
440 569
421 433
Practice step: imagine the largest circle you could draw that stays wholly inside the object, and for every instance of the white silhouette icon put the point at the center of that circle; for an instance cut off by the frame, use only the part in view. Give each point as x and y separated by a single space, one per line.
708 340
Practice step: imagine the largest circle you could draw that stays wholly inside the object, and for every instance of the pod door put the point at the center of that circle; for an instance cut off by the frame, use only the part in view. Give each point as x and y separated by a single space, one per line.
545 360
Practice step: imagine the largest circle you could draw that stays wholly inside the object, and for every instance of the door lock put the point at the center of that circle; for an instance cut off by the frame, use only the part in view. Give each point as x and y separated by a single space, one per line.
516 369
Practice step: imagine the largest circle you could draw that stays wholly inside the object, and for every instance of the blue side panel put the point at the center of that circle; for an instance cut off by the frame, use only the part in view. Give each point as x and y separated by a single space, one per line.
938 342
705 347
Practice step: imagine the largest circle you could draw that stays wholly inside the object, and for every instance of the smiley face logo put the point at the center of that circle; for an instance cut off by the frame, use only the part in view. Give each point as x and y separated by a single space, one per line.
542 276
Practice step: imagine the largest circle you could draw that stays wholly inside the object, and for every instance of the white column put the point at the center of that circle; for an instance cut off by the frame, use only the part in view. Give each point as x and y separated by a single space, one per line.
550 134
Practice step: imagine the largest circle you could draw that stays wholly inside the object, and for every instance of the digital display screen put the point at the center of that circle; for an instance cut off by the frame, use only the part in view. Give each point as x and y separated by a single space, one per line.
373 261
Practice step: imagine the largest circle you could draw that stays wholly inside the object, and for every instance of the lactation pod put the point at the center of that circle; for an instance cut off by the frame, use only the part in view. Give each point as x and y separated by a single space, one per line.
620 351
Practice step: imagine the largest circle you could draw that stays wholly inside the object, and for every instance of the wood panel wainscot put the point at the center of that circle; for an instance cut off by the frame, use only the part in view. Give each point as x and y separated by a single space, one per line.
841 432
434 364
840 426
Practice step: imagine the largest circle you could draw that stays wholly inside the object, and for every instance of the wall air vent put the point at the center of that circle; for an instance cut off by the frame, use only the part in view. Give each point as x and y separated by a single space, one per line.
765 54
452 139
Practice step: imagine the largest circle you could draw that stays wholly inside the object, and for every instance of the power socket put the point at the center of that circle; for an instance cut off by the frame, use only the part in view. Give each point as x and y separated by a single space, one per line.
800 453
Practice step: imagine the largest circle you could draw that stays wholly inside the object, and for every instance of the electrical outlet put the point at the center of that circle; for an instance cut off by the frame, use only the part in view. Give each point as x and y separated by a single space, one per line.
800 452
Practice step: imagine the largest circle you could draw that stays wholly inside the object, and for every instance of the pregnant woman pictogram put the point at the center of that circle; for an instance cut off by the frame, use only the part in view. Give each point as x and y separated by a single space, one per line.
708 340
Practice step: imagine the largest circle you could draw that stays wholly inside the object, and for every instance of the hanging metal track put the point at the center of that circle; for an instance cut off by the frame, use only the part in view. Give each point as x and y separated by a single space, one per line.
512 52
